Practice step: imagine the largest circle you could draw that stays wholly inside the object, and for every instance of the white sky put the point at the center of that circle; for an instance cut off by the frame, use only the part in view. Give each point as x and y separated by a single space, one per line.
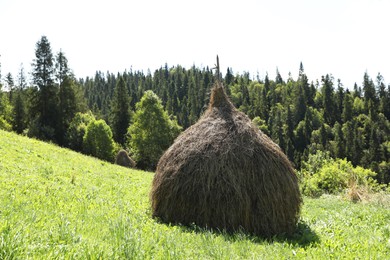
341 37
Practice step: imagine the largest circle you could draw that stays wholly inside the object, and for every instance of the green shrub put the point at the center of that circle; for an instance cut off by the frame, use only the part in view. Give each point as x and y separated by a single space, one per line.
98 140
4 125
77 129
151 132
322 174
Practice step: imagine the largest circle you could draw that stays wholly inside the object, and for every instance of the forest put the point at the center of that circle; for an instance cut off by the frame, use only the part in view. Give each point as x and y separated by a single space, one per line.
144 112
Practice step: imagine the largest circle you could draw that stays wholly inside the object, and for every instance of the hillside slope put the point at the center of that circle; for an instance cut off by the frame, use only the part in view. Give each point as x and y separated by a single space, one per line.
55 203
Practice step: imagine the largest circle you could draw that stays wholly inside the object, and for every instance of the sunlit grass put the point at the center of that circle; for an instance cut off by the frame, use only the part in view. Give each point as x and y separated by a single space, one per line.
55 203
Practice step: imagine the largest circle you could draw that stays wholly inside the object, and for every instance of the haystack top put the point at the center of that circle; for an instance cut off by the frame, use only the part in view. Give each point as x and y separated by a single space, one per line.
219 98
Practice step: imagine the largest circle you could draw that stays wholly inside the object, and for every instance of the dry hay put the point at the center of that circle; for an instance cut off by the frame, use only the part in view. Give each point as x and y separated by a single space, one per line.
224 173
123 159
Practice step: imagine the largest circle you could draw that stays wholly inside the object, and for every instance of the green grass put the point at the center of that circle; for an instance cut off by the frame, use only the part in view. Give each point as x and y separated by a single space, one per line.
57 204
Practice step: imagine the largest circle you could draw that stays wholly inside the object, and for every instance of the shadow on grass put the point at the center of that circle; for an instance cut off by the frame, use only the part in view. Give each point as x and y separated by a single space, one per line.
303 236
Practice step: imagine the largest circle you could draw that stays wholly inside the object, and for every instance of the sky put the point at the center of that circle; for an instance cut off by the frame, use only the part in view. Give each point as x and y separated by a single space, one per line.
345 38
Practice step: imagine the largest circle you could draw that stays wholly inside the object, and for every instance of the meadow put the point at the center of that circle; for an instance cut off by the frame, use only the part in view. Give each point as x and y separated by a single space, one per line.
58 204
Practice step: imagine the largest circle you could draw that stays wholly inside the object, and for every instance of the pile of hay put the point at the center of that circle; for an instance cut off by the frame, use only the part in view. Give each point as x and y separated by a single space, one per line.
224 173
123 159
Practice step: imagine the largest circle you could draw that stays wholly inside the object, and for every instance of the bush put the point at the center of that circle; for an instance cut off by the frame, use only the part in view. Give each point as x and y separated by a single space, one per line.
37 130
4 125
77 129
98 140
321 174
151 132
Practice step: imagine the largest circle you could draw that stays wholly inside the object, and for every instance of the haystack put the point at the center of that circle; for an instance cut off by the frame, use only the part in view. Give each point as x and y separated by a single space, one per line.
224 173
123 159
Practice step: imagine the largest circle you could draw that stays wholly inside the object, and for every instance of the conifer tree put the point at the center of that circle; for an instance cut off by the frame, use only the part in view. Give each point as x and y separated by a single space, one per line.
19 104
347 107
44 102
278 78
19 113
384 97
327 100
339 148
67 105
120 111
370 99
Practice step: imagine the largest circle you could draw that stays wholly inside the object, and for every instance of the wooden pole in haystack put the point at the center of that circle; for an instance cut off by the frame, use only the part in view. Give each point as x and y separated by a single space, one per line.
218 77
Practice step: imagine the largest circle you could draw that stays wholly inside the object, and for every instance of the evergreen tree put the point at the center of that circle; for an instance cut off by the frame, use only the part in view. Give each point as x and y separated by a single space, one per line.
19 117
19 113
370 99
67 105
299 104
22 82
62 70
120 111
374 147
384 97
327 100
323 137
10 81
44 109
357 91
348 133
347 107
263 106
339 147
229 77
278 78
289 135
339 101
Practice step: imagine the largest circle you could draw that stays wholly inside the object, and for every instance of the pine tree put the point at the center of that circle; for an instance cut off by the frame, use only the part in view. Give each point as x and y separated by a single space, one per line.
370 98
44 110
384 97
19 116
339 101
289 124
19 113
278 78
357 91
323 137
339 148
10 81
22 82
120 111
67 105
299 104
349 134
229 77
327 100
347 107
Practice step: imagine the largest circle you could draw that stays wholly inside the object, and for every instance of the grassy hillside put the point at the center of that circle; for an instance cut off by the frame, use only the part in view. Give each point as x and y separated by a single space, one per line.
55 203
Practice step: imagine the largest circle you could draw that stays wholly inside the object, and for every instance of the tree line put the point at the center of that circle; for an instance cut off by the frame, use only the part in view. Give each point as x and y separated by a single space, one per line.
302 117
